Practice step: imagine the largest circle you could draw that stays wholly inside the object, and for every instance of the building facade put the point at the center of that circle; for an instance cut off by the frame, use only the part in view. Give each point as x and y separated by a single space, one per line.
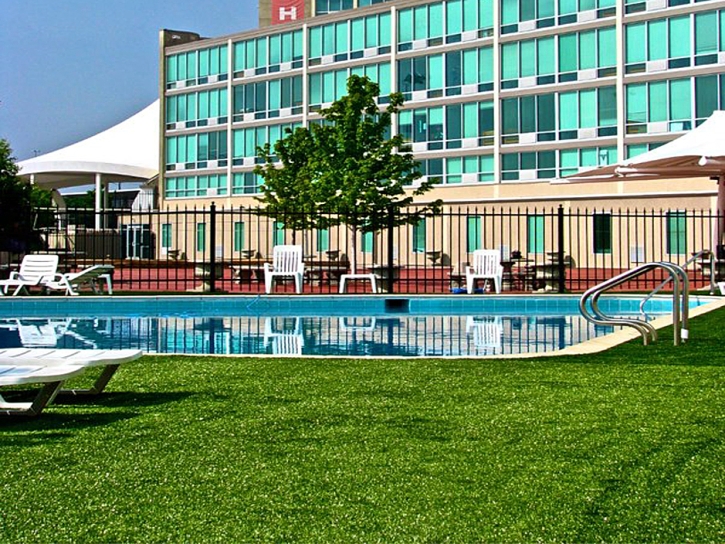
502 96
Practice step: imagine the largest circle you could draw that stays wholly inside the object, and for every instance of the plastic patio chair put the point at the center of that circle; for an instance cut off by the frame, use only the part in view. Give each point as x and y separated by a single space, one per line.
486 265
34 271
286 262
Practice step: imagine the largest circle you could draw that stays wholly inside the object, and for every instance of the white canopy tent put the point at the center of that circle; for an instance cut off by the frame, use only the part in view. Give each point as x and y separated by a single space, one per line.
126 152
698 153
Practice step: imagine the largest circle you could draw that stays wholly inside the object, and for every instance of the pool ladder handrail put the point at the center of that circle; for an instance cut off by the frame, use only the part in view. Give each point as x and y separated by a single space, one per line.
698 255
680 302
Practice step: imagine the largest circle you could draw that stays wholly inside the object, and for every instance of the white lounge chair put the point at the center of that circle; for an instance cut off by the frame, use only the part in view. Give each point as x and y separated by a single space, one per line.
110 359
34 271
20 373
90 276
286 261
486 265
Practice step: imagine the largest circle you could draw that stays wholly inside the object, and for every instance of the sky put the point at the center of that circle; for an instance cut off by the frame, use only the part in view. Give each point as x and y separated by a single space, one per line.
72 68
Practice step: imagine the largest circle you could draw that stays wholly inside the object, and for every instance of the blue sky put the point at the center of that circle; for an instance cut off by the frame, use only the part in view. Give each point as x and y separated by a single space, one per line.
71 68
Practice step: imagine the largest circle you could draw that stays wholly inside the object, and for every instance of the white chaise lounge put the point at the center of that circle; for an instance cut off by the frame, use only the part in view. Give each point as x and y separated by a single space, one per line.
51 375
110 359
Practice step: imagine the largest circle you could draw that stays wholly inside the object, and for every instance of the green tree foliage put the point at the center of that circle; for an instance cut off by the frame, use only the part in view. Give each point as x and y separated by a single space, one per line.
288 190
16 212
348 164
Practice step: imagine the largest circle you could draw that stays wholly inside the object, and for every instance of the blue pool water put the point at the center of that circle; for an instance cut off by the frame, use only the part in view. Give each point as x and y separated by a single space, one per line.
330 325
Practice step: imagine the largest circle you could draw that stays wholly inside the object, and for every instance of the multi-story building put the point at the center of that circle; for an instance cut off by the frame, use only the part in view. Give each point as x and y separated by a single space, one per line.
503 96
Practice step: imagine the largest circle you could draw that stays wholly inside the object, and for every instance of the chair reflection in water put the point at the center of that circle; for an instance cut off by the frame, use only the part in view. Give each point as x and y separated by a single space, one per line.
486 332
285 340
357 324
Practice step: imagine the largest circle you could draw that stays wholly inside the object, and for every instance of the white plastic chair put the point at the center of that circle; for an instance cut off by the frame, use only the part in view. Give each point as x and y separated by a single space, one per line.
286 261
34 271
487 266
91 276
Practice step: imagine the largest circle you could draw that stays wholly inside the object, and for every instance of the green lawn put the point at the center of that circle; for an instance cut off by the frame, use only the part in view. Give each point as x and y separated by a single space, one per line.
625 446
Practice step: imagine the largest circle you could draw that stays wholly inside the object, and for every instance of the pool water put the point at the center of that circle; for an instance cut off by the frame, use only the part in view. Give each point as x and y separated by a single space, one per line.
280 325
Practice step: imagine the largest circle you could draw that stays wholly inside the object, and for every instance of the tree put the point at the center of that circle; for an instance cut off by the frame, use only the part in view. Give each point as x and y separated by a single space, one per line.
16 212
348 164
287 191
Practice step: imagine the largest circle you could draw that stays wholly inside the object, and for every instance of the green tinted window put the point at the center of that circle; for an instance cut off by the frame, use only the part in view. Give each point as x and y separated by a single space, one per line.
238 236
635 42
419 237
680 100
676 233
706 33
535 234
679 36
656 40
473 234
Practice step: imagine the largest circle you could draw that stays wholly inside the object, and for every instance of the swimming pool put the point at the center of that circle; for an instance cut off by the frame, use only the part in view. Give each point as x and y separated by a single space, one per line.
302 325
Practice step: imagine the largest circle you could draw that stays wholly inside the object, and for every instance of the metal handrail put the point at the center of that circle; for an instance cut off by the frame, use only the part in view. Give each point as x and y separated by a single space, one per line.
680 302
692 259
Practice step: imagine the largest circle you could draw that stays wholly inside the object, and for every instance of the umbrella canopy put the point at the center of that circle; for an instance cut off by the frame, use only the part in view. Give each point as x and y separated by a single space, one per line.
699 153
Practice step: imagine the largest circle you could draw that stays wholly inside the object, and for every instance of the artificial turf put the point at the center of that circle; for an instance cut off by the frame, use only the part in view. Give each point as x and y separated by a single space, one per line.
623 446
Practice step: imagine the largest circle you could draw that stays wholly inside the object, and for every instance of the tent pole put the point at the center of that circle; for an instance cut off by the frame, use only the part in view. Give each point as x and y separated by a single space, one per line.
99 201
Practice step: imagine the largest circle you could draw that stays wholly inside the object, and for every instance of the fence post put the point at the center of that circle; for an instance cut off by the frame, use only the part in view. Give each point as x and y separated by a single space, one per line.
560 249
391 253
212 247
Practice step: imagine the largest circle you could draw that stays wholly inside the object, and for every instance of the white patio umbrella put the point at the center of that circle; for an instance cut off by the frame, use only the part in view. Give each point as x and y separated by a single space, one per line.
698 153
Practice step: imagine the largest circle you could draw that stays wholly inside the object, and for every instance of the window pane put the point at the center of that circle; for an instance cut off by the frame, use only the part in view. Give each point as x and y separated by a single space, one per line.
679 36
637 103
606 47
510 61
587 50
705 96
535 234
657 93
545 56
473 234
676 233
602 227
656 42
680 100
568 53
635 43
568 108
706 33
528 58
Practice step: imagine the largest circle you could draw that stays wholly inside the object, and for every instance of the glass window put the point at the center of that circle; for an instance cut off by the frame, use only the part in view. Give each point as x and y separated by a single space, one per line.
323 240
166 234
278 233
602 227
679 35
238 235
366 244
201 237
706 33
419 236
680 100
657 40
535 234
473 234
676 233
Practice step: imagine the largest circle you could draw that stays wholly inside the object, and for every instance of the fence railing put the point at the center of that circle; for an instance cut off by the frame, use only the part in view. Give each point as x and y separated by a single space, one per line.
224 249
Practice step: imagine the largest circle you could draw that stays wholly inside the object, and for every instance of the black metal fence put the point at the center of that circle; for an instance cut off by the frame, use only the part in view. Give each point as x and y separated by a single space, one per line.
224 249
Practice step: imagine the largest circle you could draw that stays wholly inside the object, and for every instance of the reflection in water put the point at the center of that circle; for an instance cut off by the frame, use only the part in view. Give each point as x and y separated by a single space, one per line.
399 334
